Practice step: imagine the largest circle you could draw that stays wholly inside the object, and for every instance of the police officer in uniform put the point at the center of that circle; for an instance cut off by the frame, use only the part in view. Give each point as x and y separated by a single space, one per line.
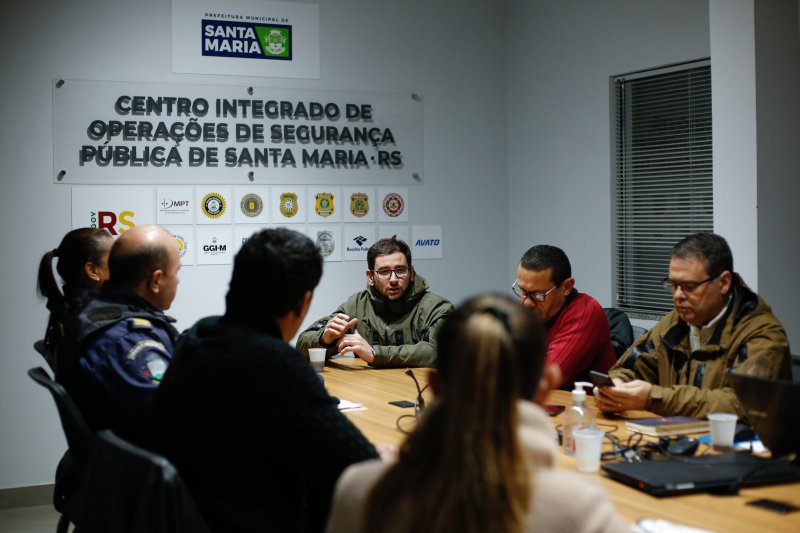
123 340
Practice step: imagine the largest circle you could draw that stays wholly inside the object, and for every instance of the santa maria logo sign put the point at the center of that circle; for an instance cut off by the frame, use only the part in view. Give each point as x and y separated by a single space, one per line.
246 40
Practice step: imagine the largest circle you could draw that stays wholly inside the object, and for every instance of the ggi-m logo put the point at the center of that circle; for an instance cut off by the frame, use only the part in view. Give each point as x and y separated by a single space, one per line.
109 220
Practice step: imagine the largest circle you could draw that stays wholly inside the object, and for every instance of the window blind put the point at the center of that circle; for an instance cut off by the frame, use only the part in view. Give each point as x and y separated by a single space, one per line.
663 185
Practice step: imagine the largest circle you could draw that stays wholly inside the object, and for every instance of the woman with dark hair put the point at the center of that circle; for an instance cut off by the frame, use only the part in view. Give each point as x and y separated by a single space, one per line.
483 454
83 267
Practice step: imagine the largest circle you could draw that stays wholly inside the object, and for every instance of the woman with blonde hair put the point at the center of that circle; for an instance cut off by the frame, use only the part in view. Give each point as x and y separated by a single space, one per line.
483 454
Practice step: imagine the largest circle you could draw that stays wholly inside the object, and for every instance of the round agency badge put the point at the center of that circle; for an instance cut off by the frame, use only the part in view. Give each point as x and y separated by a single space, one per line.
251 205
325 243
288 204
181 243
213 205
359 204
393 204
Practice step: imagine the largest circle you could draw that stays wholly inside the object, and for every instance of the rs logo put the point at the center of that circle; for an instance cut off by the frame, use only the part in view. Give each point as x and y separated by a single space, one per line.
108 220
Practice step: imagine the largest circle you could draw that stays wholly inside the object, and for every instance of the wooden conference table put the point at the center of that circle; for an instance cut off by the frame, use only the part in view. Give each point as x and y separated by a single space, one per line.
352 380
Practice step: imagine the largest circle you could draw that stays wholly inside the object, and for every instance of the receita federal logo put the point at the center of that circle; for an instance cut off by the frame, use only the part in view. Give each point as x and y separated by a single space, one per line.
246 39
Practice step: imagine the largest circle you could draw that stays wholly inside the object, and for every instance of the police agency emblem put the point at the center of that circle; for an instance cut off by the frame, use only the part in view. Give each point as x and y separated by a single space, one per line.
393 205
325 243
251 205
324 204
213 205
359 204
288 204
181 243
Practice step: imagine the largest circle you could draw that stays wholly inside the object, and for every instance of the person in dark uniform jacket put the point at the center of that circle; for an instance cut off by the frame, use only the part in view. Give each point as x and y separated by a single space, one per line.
83 267
122 341
242 415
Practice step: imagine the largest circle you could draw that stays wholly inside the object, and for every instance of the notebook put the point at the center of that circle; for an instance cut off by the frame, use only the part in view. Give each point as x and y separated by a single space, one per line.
723 473
667 425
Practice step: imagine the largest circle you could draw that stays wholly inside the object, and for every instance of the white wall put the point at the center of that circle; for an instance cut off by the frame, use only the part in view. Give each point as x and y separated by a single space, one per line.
733 102
561 55
450 51
777 45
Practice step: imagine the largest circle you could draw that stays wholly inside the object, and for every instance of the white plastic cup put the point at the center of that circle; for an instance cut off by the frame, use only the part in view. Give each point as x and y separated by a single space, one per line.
723 427
588 444
317 357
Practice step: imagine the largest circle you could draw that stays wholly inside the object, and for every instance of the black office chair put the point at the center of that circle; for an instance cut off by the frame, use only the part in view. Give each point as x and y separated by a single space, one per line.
71 467
638 332
621 330
128 489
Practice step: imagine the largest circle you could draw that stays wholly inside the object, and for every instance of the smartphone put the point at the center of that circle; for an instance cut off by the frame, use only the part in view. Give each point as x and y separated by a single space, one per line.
599 379
402 403
772 505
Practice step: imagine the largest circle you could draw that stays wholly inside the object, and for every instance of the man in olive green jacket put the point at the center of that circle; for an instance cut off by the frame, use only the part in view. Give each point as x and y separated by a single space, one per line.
680 366
390 324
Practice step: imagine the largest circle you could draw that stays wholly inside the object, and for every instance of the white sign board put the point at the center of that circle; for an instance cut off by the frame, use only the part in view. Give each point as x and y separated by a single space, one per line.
157 133
426 242
246 38
116 209
357 241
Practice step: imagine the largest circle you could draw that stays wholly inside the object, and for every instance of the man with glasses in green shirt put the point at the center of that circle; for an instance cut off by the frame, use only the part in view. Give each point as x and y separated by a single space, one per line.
390 324
680 366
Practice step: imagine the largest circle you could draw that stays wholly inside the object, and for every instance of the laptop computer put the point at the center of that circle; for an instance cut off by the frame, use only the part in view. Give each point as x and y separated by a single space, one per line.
722 473
771 408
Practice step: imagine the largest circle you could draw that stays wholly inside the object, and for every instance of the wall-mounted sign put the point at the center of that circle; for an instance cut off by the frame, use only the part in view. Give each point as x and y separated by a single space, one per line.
426 242
214 245
150 133
116 209
246 38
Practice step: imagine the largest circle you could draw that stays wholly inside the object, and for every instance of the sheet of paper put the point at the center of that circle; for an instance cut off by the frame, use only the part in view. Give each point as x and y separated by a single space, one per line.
657 525
346 406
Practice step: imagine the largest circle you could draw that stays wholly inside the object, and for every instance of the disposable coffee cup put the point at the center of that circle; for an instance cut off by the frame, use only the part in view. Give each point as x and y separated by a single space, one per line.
317 357
588 444
723 427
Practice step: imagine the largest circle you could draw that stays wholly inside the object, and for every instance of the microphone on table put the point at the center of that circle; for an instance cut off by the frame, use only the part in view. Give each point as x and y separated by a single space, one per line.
419 406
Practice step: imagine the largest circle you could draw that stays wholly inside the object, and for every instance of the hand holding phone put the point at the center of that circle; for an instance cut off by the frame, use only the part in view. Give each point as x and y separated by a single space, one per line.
600 379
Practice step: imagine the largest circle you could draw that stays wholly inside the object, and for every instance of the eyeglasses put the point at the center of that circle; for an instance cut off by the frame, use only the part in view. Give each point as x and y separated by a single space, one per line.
537 296
386 273
686 286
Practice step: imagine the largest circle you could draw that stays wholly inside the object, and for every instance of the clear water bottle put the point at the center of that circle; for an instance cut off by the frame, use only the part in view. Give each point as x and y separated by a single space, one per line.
577 416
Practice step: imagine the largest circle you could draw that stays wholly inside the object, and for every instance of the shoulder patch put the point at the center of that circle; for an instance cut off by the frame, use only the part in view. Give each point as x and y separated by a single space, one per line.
156 366
138 322
147 344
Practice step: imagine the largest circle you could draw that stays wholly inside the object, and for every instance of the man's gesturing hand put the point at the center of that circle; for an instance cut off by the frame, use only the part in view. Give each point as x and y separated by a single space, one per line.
336 327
